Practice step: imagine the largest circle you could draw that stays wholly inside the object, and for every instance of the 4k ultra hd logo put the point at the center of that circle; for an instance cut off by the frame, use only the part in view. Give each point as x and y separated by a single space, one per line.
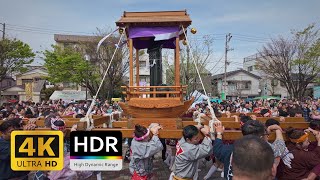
96 150
36 150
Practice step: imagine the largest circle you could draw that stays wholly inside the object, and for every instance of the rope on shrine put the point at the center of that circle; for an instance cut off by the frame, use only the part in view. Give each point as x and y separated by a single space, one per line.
87 119
213 116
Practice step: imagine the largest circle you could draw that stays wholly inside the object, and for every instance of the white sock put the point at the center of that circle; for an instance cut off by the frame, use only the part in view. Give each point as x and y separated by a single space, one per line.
99 177
171 176
210 172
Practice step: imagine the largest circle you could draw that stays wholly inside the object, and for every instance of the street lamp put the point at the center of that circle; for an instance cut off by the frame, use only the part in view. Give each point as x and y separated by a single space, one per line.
87 57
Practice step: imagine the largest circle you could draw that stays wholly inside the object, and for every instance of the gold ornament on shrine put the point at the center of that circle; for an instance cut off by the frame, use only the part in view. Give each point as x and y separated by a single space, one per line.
120 30
184 42
193 30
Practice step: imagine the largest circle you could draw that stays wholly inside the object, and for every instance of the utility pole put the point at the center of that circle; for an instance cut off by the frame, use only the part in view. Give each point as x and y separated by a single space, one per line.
3 30
228 38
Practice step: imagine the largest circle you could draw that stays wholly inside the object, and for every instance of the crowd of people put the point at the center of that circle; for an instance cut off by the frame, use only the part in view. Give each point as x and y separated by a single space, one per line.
60 108
11 116
251 157
308 108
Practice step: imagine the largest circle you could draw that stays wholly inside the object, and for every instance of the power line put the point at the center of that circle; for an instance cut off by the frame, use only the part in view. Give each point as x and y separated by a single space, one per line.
28 31
252 37
44 29
250 40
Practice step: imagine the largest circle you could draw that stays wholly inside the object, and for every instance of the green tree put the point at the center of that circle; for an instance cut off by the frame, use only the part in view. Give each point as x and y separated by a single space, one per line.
14 54
49 91
294 61
82 65
67 65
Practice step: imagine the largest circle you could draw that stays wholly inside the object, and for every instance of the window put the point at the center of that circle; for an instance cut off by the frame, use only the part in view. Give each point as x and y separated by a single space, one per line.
142 64
143 79
244 85
37 79
250 68
24 81
274 82
247 85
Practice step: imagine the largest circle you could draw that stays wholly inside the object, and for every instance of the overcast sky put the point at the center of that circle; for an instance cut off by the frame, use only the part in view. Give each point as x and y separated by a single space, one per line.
251 22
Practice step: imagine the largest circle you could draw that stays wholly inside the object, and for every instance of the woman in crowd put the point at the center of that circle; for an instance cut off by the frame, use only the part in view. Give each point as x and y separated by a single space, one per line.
144 145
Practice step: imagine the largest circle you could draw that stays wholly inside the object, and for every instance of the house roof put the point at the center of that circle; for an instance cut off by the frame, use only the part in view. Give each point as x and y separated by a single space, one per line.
75 38
232 73
18 88
40 70
154 18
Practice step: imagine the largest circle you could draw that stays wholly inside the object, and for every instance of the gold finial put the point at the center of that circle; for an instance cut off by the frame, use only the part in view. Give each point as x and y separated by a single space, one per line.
120 30
184 42
193 30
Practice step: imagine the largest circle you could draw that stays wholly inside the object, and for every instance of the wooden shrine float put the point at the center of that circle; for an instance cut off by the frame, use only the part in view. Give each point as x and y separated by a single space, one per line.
154 31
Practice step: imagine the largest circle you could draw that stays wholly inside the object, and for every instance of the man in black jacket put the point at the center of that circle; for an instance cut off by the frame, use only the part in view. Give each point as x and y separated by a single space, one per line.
5 165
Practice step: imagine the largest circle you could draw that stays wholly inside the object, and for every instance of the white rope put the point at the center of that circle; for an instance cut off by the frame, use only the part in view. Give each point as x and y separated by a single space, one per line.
214 118
104 38
86 118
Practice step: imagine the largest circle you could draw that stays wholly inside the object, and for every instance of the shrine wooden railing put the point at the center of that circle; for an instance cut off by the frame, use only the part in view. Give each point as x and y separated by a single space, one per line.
154 91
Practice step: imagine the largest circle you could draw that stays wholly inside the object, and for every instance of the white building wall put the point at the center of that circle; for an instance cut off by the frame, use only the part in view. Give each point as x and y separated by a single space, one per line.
265 82
240 77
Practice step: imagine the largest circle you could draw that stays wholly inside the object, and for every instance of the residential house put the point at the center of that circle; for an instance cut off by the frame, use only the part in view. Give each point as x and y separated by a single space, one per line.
240 83
28 86
6 83
268 85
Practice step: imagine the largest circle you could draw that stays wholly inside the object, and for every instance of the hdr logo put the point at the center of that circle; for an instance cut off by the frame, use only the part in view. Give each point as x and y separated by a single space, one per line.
36 150
96 150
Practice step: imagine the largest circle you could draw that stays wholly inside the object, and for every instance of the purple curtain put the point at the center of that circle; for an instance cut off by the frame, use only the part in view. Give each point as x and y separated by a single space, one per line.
145 37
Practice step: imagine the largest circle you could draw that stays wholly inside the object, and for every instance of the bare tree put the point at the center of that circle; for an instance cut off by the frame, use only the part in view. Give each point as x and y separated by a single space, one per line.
292 61
202 52
100 61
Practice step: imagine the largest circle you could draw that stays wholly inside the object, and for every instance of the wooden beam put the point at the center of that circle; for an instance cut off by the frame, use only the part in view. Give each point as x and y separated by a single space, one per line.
287 119
137 68
120 124
177 63
130 62
166 123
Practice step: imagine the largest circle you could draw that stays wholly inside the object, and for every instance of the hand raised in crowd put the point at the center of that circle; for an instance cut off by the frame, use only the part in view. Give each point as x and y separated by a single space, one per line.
314 132
236 118
74 127
228 114
253 117
32 121
154 128
29 127
205 130
273 128
219 128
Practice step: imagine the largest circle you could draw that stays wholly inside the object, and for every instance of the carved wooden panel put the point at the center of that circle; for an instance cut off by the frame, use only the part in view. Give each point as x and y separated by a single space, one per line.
155 102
